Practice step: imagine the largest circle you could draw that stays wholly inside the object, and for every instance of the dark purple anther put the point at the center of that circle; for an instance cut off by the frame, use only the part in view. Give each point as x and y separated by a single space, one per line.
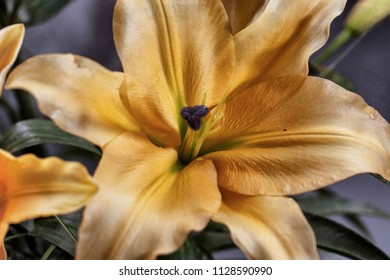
193 115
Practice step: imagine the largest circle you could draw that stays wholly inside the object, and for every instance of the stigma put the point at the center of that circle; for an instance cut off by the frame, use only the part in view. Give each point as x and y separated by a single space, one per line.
193 115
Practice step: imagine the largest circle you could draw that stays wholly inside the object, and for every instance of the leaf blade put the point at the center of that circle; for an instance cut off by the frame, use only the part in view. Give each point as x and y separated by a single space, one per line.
324 205
35 11
33 132
336 238
189 251
52 231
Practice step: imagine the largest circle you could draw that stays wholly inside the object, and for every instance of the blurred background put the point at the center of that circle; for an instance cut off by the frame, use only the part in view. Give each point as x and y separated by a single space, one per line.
83 27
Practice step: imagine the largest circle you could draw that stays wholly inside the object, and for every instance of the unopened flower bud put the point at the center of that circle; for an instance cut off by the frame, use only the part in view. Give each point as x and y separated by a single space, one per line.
366 13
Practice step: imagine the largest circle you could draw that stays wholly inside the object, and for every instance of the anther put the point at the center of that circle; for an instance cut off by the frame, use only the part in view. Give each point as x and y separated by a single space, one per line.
193 115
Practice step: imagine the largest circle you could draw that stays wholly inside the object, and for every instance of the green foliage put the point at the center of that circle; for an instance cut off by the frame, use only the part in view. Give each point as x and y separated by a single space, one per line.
189 251
336 238
36 11
29 12
324 205
214 237
61 235
33 132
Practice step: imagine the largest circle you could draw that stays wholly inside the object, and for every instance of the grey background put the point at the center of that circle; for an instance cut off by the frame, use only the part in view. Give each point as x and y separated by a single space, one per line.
84 28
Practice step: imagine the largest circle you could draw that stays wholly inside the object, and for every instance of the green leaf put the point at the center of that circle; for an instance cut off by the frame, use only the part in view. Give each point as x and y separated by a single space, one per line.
324 205
33 132
52 231
36 11
212 241
336 238
189 251
214 237
357 221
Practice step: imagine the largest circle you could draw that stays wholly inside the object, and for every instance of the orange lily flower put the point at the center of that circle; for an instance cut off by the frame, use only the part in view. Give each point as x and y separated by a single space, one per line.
11 38
32 187
214 118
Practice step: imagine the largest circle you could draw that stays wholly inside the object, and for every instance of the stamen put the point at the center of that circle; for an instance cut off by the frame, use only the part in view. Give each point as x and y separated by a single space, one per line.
193 115
194 139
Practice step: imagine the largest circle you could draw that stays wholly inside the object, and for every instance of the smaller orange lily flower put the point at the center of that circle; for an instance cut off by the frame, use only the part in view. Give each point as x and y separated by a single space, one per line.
31 187
11 38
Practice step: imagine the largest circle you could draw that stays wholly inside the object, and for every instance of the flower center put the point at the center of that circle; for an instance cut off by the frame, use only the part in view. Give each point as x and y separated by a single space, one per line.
193 115
190 145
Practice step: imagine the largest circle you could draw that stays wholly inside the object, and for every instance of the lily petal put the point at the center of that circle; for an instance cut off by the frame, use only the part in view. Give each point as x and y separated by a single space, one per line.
32 187
280 41
42 187
147 203
79 95
180 53
241 15
292 141
11 38
267 227
3 232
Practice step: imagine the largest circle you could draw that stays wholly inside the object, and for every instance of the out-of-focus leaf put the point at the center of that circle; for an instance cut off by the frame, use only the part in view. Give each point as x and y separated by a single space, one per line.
326 194
212 241
52 231
214 237
336 238
189 251
3 14
357 221
36 11
33 132
324 205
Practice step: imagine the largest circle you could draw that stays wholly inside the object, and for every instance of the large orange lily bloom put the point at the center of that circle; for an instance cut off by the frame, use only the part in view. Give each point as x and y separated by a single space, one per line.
32 187
213 118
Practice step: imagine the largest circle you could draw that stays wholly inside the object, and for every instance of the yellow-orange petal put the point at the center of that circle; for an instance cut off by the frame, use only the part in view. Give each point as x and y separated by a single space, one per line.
241 14
3 232
11 38
180 53
266 227
79 95
280 41
33 187
147 203
304 139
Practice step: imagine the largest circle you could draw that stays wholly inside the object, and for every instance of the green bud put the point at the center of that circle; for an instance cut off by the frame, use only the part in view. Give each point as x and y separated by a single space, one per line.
366 13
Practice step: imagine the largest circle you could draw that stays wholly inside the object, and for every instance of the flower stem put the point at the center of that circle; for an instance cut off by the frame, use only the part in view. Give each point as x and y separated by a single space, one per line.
341 39
48 252
66 229
15 236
